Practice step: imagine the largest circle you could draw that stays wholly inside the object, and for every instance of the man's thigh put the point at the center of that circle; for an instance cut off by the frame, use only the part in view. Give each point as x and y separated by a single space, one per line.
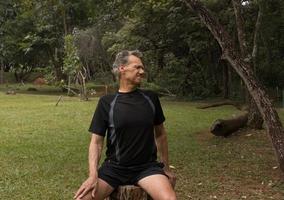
158 187
103 190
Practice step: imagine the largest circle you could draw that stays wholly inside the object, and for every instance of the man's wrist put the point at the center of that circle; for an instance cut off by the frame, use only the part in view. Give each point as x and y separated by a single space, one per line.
93 174
166 167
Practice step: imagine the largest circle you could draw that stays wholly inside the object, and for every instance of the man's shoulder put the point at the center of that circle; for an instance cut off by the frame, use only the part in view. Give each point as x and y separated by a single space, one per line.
153 95
108 98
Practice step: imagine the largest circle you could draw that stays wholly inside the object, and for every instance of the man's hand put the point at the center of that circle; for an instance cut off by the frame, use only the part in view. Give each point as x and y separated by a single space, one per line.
172 177
89 184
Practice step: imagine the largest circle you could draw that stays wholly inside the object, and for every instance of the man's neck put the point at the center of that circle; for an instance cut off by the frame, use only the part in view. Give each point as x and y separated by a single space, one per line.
126 87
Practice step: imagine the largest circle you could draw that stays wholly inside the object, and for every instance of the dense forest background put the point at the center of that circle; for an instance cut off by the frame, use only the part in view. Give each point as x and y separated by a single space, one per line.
180 54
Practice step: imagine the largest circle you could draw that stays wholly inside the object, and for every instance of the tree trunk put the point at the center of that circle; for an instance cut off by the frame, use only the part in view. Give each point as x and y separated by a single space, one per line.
64 21
254 118
160 60
186 85
225 81
225 127
56 61
256 37
240 29
129 192
57 65
58 71
1 73
69 85
270 116
83 89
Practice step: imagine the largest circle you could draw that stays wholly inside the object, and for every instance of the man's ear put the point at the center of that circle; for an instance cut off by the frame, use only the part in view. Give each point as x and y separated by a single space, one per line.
121 68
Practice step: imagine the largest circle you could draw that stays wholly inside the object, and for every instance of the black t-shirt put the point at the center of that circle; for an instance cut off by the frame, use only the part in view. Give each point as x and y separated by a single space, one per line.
129 120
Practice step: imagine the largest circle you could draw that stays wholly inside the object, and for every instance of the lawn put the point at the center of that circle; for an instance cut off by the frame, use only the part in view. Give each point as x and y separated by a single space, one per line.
43 151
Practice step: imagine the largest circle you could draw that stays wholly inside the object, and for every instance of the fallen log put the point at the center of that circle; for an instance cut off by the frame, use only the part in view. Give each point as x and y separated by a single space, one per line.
225 127
223 103
129 192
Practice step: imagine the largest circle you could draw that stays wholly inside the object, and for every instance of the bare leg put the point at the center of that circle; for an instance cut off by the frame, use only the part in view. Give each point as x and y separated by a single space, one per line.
103 190
158 187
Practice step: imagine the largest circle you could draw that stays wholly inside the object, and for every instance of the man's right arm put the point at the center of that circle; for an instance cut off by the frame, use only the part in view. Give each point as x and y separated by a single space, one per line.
95 151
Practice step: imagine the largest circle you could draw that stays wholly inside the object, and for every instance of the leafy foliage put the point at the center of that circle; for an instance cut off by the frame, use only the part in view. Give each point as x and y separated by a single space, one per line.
179 52
71 58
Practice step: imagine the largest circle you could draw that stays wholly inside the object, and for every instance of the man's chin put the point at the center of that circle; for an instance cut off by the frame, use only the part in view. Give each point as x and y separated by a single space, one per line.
137 82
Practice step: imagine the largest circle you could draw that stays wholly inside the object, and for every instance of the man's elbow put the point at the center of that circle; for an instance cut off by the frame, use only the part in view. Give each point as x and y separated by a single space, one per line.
161 135
160 130
97 140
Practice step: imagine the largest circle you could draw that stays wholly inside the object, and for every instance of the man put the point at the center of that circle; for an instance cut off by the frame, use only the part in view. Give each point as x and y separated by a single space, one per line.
133 120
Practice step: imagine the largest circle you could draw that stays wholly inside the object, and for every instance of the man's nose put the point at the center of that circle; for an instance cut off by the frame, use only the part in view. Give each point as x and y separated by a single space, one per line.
141 71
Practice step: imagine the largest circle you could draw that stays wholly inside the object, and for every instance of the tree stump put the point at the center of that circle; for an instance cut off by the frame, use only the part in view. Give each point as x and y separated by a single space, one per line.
129 192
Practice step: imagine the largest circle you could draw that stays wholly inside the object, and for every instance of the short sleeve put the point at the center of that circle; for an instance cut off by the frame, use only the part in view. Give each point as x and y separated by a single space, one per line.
99 122
159 115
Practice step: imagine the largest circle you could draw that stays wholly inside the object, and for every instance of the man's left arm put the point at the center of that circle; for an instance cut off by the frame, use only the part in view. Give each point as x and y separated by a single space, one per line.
162 146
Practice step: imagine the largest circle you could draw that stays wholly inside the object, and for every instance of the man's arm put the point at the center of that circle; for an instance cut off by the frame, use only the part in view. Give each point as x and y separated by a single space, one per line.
162 146
95 150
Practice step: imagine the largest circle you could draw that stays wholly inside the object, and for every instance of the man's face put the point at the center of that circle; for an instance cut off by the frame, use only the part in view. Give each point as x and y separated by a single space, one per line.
133 71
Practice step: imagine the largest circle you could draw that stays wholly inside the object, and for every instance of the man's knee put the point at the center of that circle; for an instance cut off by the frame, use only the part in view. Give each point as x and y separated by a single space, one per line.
169 196
173 197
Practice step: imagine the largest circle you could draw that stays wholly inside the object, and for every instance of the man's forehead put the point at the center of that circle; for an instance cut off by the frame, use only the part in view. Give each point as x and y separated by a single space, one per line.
134 59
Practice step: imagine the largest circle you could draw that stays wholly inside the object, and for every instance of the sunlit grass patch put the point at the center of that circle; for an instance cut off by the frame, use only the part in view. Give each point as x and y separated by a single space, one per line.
43 151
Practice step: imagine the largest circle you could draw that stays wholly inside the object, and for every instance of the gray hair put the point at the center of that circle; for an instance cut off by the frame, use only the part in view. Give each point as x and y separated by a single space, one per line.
121 58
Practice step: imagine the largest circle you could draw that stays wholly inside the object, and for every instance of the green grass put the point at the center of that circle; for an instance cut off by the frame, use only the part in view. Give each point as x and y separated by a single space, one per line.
43 151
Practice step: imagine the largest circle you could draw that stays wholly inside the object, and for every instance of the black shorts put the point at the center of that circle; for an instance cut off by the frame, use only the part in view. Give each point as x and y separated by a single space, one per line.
116 175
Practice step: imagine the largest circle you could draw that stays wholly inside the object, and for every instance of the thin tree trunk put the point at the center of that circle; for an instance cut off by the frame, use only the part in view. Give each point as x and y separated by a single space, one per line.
240 29
242 44
69 85
255 120
58 71
57 65
1 73
160 60
186 87
83 89
256 37
254 117
88 72
64 21
225 81
230 53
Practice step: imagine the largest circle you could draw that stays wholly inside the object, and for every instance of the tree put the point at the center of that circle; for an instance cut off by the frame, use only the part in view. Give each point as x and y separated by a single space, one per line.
5 13
91 52
230 53
73 67
16 53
